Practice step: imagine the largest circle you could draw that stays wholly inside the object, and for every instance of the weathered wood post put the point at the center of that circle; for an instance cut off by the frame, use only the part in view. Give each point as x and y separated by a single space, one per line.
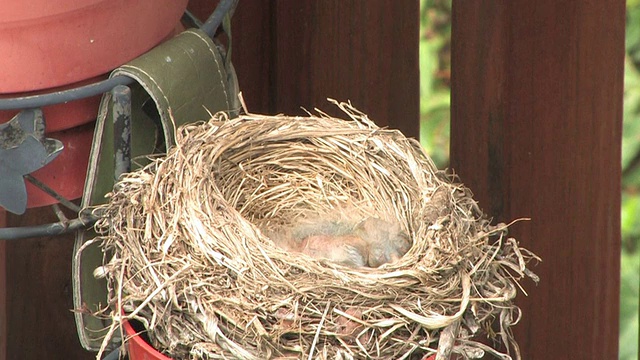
536 132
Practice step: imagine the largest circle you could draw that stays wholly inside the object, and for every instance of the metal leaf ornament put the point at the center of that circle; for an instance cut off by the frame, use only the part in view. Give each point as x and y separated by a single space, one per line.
23 150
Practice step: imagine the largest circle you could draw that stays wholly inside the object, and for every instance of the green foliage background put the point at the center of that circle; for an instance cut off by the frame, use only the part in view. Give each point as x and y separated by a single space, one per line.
435 92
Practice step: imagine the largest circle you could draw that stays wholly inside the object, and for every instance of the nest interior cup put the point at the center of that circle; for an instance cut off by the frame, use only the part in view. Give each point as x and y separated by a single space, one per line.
187 254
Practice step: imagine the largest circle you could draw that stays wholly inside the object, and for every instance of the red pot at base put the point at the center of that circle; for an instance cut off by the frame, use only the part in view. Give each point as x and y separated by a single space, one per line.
138 349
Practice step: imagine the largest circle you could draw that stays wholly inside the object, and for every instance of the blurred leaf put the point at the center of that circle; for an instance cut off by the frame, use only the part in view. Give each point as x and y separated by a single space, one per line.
434 134
630 212
629 292
631 124
435 93
633 30
428 66
630 222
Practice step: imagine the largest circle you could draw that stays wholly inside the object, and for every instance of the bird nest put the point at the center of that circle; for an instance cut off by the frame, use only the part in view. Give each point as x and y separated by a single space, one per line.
187 253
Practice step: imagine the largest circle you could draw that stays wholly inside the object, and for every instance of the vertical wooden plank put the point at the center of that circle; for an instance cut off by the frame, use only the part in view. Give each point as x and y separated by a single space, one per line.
536 132
252 55
291 54
363 51
39 294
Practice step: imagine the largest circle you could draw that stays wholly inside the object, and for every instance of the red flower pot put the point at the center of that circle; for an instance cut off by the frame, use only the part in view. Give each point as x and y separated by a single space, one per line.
138 348
46 43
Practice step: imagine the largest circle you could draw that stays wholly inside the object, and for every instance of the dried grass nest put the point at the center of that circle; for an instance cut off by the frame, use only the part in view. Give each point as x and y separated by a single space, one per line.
184 252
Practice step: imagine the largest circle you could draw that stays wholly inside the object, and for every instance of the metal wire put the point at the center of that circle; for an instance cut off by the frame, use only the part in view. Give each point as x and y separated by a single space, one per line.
35 101
49 191
52 229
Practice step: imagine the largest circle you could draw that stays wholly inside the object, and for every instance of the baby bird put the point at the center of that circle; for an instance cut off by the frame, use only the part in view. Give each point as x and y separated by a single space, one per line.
386 241
347 250
371 242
